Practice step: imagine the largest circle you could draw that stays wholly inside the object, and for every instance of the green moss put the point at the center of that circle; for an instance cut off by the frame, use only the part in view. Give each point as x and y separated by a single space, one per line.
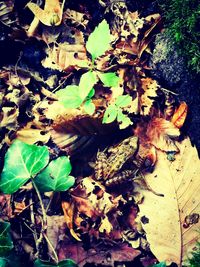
194 259
182 21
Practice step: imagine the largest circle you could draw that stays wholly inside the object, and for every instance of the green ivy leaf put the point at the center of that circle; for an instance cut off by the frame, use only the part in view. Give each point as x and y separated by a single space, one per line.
55 177
123 101
22 161
99 40
64 263
6 243
70 96
161 264
3 262
110 114
89 107
109 79
86 84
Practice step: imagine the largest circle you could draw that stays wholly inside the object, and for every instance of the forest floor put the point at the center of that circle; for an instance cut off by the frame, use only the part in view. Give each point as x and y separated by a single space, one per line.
99 120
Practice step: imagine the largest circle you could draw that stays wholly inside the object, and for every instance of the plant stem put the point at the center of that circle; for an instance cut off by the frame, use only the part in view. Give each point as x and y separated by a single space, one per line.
44 225
55 258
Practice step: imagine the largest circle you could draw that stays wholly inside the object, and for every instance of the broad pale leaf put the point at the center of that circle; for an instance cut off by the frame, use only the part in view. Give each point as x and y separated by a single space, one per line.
5 238
89 107
65 263
123 101
22 161
99 40
70 97
86 84
110 114
55 177
109 79
178 181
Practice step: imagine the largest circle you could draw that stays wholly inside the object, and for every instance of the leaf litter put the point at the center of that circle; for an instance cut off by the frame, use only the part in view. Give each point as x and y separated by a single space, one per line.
95 166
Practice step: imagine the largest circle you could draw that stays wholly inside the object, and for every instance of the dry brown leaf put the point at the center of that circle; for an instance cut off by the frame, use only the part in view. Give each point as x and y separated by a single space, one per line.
31 136
179 182
161 133
68 209
9 117
180 115
52 13
150 88
101 254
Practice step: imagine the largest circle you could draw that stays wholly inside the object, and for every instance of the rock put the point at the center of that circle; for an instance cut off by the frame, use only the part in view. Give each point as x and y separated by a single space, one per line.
170 69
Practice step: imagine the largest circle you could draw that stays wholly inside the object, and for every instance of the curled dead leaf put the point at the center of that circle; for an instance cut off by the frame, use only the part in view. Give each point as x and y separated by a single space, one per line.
147 98
68 209
180 115
161 134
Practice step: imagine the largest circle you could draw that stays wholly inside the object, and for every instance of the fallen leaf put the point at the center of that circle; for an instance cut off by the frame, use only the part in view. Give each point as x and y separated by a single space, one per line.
180 114
161 133
150 88
52 13
178 181
30 135
9 118
68 209
101 254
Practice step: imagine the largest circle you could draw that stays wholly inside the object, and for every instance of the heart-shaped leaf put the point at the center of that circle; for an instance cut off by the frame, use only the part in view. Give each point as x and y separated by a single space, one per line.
109 79
99 40
86 84
22 161
65 263
6 243
55 177
70 97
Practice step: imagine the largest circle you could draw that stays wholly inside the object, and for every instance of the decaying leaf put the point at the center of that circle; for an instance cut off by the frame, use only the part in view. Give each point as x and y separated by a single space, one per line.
105 255
31 135
179 183
52 13
9 118
150 88
161 134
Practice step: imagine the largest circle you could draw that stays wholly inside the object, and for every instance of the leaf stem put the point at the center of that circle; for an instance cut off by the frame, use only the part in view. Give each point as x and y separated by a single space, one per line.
44 225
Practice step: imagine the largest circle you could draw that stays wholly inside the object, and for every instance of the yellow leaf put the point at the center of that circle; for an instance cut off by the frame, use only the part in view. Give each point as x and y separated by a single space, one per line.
179 182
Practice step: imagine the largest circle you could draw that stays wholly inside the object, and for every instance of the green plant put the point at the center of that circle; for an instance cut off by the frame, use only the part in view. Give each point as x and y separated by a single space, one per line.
64 263
115 111
74 96
161 264
194 259
6 243
182 22
24 162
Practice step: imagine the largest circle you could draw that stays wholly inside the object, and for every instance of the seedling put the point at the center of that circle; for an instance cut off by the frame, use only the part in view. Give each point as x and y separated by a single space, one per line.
115 111
74 96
